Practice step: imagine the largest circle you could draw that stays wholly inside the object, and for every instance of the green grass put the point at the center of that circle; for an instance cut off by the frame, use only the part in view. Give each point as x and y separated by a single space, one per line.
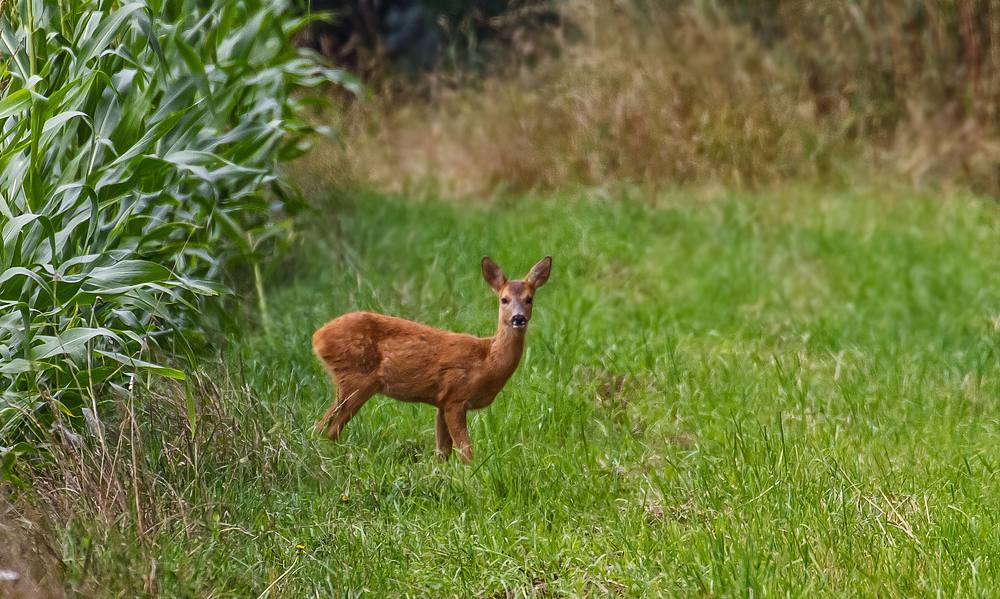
790 394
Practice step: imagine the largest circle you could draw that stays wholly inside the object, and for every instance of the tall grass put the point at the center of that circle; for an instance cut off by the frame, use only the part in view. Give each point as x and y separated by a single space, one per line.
138 152
918 77
655 98
728 93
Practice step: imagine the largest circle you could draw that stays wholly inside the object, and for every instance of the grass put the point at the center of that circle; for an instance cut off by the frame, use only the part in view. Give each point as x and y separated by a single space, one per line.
788 394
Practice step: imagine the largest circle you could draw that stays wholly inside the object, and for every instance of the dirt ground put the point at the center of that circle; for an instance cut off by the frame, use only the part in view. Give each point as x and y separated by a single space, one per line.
30 567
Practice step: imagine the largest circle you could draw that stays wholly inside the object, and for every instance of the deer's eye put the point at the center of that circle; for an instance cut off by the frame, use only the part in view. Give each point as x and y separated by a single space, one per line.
504 301
527 301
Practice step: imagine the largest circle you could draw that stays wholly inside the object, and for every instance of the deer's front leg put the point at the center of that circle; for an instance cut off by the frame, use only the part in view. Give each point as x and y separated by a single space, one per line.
444 442
455 418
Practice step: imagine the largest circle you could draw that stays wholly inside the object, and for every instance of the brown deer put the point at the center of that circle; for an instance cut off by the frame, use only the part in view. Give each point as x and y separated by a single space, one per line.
372 353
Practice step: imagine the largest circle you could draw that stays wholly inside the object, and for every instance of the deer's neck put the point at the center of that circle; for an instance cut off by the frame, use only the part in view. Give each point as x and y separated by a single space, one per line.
506 348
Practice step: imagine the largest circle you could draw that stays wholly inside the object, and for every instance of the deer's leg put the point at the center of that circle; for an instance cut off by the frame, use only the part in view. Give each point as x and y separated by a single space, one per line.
350 398
455 418
327 419
444 442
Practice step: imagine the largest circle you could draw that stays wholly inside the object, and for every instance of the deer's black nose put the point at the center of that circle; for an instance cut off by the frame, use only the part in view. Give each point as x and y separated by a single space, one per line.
519 321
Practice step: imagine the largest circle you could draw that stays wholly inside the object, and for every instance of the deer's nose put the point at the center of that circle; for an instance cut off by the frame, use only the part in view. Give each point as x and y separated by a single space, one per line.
519 320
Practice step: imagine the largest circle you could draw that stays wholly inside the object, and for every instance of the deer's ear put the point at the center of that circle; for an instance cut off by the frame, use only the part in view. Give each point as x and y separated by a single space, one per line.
493 274
539 273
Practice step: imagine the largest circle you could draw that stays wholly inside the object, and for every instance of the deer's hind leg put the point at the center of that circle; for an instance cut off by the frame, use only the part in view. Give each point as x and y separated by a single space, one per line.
352 393
444 442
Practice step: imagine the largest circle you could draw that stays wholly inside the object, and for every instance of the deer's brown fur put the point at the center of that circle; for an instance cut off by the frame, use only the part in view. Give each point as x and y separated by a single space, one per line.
369 353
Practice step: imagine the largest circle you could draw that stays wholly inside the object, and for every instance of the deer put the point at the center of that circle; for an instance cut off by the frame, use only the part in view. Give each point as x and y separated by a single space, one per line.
368 353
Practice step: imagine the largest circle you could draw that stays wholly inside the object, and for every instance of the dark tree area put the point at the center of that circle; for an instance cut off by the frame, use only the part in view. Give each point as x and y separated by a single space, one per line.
420 35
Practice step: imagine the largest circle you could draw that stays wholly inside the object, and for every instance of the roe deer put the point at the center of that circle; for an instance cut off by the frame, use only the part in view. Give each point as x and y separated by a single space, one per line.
371 353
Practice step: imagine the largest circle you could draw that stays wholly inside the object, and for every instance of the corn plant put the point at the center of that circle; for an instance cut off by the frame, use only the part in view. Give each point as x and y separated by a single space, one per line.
139 145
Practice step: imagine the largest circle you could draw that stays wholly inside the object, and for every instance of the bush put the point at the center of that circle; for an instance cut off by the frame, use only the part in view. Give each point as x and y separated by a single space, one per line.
137 141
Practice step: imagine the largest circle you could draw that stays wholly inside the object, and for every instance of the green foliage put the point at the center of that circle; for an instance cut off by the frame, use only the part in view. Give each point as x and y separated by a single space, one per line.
137 141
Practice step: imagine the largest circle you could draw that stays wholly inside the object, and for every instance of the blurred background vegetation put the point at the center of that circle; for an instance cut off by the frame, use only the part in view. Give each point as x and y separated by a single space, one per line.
530 95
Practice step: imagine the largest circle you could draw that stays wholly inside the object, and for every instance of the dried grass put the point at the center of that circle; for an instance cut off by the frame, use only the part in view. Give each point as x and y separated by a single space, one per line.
678 100
682 96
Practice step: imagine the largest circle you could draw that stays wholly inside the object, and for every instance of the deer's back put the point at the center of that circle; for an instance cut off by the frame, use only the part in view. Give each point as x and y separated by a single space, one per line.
410 361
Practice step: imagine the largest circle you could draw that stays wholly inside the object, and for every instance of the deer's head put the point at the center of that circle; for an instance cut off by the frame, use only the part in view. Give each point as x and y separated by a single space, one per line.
516 297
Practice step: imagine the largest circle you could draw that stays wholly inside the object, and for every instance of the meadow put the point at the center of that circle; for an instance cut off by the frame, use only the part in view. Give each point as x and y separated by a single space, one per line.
790 393
754 371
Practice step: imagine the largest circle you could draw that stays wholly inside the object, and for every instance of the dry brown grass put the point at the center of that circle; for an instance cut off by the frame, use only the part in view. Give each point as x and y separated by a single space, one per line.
919 79
677 100
675 97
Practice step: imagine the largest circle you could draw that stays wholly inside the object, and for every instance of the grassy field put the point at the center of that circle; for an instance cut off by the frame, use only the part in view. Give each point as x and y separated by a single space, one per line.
791 394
